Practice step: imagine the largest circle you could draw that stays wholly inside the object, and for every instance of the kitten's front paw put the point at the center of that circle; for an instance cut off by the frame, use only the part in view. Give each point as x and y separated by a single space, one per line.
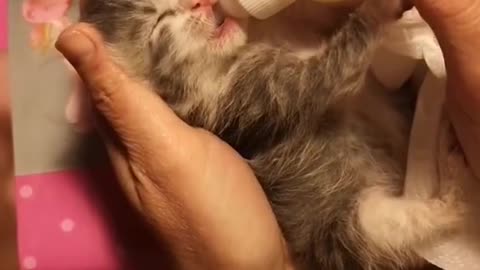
386 10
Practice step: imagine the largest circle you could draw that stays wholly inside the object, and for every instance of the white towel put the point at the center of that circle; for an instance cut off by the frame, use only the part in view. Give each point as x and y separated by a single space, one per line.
430 160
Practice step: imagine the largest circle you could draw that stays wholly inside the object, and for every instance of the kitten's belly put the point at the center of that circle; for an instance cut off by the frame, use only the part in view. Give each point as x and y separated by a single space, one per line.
383 124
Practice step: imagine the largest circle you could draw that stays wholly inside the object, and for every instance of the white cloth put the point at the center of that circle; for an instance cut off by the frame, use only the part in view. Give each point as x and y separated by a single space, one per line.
409 41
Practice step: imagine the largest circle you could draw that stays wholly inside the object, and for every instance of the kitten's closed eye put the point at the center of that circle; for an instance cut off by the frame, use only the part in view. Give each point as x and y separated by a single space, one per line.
163 15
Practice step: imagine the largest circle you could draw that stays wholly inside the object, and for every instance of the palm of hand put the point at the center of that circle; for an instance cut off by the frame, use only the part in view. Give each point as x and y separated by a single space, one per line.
208 197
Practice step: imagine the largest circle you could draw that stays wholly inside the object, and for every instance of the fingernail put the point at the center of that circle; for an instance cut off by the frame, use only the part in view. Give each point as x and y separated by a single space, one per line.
75 46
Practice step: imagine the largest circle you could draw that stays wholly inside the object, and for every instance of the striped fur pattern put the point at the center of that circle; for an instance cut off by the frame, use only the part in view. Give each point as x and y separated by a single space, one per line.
328 151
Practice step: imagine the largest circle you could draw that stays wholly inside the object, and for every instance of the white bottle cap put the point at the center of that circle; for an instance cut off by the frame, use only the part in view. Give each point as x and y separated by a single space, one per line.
233 8
263 9
260 9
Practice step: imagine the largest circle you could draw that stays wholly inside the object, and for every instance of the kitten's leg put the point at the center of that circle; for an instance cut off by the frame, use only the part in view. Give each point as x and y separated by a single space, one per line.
349 52
396 224
293 85
406 222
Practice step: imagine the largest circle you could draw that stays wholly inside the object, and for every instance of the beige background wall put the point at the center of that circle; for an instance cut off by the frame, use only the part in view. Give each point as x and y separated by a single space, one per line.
43 141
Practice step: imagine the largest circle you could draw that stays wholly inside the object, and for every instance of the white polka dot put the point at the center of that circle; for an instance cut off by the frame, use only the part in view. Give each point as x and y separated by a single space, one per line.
30 263
67 225
26 191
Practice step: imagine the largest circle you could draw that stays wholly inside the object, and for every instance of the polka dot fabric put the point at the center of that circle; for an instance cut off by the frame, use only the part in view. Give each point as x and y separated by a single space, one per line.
60 225
80 220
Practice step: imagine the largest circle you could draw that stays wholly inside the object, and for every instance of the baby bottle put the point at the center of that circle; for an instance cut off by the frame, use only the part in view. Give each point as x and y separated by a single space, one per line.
260 9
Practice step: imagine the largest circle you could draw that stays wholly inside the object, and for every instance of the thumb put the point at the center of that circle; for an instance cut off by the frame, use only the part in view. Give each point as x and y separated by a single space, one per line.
141 120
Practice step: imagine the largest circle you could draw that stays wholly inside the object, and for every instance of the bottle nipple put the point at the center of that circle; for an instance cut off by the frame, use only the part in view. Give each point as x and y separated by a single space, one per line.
233 8
260 9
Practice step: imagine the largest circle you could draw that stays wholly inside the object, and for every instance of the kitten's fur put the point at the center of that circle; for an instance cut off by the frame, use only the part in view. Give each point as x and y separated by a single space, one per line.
329 155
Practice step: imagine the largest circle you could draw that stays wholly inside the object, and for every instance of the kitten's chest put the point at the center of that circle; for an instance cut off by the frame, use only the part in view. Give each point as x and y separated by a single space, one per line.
381 125
302 26
295 36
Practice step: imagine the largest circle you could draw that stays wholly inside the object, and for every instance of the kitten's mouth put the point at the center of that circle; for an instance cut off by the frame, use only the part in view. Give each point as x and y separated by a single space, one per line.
224 25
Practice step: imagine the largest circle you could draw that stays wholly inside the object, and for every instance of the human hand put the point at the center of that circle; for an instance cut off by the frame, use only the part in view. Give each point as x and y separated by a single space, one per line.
6 155
200 196
7 195
457 26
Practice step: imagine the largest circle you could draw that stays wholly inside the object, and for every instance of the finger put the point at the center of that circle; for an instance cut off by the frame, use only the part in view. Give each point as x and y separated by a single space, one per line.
6 157
143 122
468 132
457 26
451 18
446 8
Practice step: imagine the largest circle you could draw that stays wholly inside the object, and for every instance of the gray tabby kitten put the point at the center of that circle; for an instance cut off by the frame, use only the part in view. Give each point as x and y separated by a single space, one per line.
329 153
